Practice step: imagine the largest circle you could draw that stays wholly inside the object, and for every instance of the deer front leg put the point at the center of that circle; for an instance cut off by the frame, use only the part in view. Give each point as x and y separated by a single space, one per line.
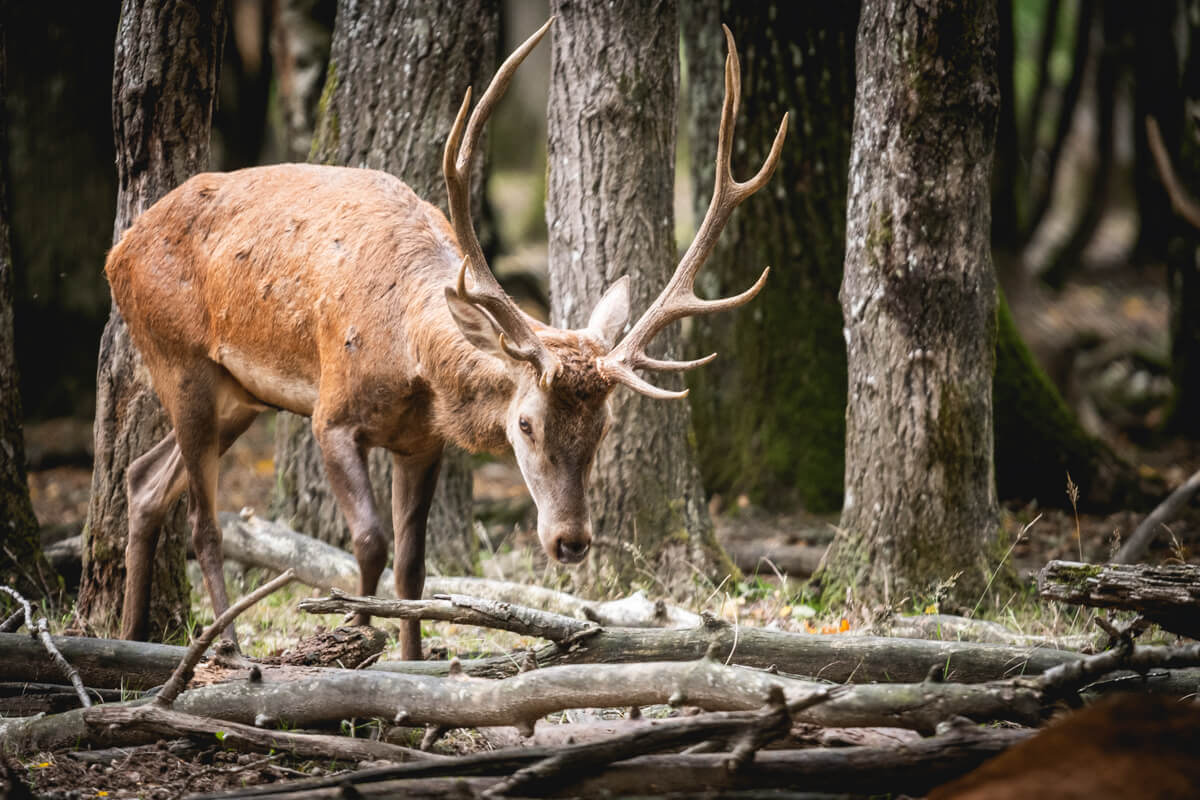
346 465
414 479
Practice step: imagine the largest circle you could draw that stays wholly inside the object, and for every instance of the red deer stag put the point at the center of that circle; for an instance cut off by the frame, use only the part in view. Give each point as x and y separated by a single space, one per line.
339 294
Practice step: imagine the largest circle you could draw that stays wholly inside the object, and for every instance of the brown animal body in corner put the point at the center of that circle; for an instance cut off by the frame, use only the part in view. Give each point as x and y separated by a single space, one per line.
339 294
1140 747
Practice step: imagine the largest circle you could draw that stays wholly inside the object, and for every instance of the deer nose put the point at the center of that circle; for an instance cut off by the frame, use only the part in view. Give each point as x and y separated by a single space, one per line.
572 550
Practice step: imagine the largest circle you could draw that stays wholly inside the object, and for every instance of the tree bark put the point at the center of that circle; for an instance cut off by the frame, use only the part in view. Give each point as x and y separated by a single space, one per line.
919 299
21 559
613 88
397 73
770 413
164 88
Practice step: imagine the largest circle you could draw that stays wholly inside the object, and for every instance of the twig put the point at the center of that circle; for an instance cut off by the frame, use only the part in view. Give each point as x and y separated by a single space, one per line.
164 721
1181 201
215 770
458 609
13 623
42 632
183 673
1139 542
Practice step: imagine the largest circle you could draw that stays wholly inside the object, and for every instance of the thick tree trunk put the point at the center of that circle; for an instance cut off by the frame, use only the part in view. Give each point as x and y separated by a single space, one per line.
21 559
919 299
770 413
397 73
613 88
164 88
300 41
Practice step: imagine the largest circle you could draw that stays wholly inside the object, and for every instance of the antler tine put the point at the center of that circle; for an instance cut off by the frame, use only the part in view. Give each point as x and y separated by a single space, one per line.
518 338
678 299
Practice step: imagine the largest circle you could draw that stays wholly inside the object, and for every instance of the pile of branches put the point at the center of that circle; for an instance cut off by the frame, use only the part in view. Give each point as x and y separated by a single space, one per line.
738 708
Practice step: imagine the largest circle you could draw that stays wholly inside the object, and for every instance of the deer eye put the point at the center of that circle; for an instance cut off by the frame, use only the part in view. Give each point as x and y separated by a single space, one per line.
526 428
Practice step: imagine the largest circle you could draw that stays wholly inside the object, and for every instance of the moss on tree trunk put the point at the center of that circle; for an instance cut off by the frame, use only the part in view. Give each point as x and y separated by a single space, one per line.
919 302
770 413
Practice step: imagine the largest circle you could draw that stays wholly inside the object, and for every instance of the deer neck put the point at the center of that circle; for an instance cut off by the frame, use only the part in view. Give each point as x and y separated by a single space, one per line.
472 392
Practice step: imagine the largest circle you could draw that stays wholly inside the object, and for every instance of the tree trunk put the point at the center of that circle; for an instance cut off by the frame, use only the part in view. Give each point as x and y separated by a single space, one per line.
21 563
770 413
919 299
397 73
164 88
300 41
1007 174
613 88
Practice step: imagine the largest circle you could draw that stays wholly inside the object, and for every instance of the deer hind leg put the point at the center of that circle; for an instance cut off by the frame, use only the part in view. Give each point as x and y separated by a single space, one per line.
346 465
153 482
157 479
414 480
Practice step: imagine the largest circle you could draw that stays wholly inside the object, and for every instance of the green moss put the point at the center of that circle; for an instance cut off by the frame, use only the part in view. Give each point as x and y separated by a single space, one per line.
328 129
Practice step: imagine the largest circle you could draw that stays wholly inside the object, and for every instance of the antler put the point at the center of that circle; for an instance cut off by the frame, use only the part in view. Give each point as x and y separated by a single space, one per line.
517 337
678 299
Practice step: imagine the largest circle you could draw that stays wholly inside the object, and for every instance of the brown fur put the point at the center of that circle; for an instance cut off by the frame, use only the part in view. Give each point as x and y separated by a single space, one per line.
321 290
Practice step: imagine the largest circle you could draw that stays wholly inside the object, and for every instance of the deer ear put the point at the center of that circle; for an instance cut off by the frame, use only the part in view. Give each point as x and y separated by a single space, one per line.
611 313
476 325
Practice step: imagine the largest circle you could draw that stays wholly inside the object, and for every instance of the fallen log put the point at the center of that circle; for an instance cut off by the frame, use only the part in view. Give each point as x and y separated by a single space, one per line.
1168 594
301 697
909 768
102 663
837 658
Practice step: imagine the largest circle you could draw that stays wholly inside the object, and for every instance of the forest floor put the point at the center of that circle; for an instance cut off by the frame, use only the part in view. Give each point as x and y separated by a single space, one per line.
1101 338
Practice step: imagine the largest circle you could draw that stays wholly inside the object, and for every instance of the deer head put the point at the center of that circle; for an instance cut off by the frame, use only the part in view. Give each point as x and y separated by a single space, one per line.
558 412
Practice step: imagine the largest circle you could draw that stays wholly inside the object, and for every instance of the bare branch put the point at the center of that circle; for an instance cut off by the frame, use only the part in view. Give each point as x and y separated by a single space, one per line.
458 609
42 632
183 673
1182 202
1135 547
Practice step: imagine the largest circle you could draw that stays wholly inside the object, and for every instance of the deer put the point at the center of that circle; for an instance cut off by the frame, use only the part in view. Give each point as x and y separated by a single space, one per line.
338 294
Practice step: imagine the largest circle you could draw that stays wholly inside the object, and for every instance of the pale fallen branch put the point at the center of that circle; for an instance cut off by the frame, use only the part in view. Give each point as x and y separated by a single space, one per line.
1138 544
458 609
42 632
262 543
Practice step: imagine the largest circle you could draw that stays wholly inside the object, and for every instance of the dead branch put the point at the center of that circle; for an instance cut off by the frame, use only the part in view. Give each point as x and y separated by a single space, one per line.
771 723
1070 678
1181 201
261 543
183 673
910 768
155 721
42 632
1138 544
458 609
13 623
1168 594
